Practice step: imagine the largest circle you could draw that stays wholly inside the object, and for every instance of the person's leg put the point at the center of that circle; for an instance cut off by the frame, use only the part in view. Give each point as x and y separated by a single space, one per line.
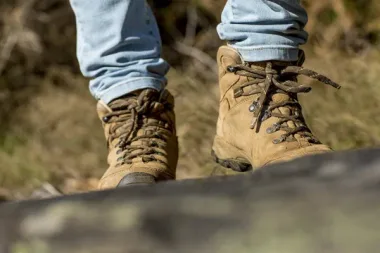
262 30
119 49
260 118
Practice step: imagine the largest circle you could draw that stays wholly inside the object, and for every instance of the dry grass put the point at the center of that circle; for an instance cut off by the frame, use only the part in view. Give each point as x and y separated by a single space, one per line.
50 132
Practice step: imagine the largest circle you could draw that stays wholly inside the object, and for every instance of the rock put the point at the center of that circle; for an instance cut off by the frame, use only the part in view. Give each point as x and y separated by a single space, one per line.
324 203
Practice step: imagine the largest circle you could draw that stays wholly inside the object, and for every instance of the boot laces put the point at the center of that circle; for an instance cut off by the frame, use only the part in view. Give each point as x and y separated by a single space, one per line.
128 117
275 80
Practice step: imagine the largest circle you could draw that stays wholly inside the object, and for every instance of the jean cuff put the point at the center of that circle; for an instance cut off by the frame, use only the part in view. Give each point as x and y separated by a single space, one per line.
122 89
259 54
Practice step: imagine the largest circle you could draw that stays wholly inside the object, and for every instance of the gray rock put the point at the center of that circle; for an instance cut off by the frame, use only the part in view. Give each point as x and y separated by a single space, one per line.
324 203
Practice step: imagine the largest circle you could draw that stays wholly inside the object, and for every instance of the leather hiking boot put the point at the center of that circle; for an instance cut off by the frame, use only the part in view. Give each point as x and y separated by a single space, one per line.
141 137
260 118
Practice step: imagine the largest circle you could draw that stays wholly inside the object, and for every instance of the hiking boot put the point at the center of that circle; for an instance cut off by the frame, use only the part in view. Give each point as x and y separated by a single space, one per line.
260 118
141 137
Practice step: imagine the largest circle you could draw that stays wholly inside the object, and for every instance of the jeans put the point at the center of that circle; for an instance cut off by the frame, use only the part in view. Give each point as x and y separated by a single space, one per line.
119 45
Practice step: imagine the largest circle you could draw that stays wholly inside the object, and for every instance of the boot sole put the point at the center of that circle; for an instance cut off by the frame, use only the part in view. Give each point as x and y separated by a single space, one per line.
232 164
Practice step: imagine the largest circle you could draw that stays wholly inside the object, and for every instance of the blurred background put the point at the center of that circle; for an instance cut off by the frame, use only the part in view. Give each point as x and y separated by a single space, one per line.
49 131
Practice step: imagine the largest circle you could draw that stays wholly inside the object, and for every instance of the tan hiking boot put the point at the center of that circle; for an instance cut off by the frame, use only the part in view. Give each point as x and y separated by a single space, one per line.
260 119
141 136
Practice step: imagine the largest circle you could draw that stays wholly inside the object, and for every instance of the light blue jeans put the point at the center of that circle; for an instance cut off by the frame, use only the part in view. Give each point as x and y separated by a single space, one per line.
119 45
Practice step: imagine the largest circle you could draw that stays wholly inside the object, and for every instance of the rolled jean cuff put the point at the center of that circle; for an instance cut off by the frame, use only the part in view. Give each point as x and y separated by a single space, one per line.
122 89
275 53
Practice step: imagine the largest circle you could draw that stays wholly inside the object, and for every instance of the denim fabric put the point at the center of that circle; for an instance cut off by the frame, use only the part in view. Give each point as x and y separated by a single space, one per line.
263 30
119 46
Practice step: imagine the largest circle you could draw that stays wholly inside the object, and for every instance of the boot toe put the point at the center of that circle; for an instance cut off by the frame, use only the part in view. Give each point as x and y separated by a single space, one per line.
137 178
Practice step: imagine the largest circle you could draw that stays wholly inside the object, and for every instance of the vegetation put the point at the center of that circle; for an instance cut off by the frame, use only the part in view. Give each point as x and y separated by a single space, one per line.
49 128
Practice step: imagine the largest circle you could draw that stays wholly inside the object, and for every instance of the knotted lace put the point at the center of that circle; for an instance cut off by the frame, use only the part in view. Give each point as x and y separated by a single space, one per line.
128 117
277 79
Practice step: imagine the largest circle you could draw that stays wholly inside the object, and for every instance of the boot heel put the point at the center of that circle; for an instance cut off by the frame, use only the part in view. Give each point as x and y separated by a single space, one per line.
229 156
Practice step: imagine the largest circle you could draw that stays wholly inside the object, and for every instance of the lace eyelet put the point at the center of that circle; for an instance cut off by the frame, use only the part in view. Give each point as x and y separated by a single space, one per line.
279 140
147 159
106 119
231 69
253 107
238 92
154 144
314 141
267 115
273 129
119 151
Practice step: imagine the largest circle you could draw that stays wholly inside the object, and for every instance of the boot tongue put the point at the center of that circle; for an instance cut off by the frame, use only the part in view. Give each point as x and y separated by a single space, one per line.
257 64
123 102
279 98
